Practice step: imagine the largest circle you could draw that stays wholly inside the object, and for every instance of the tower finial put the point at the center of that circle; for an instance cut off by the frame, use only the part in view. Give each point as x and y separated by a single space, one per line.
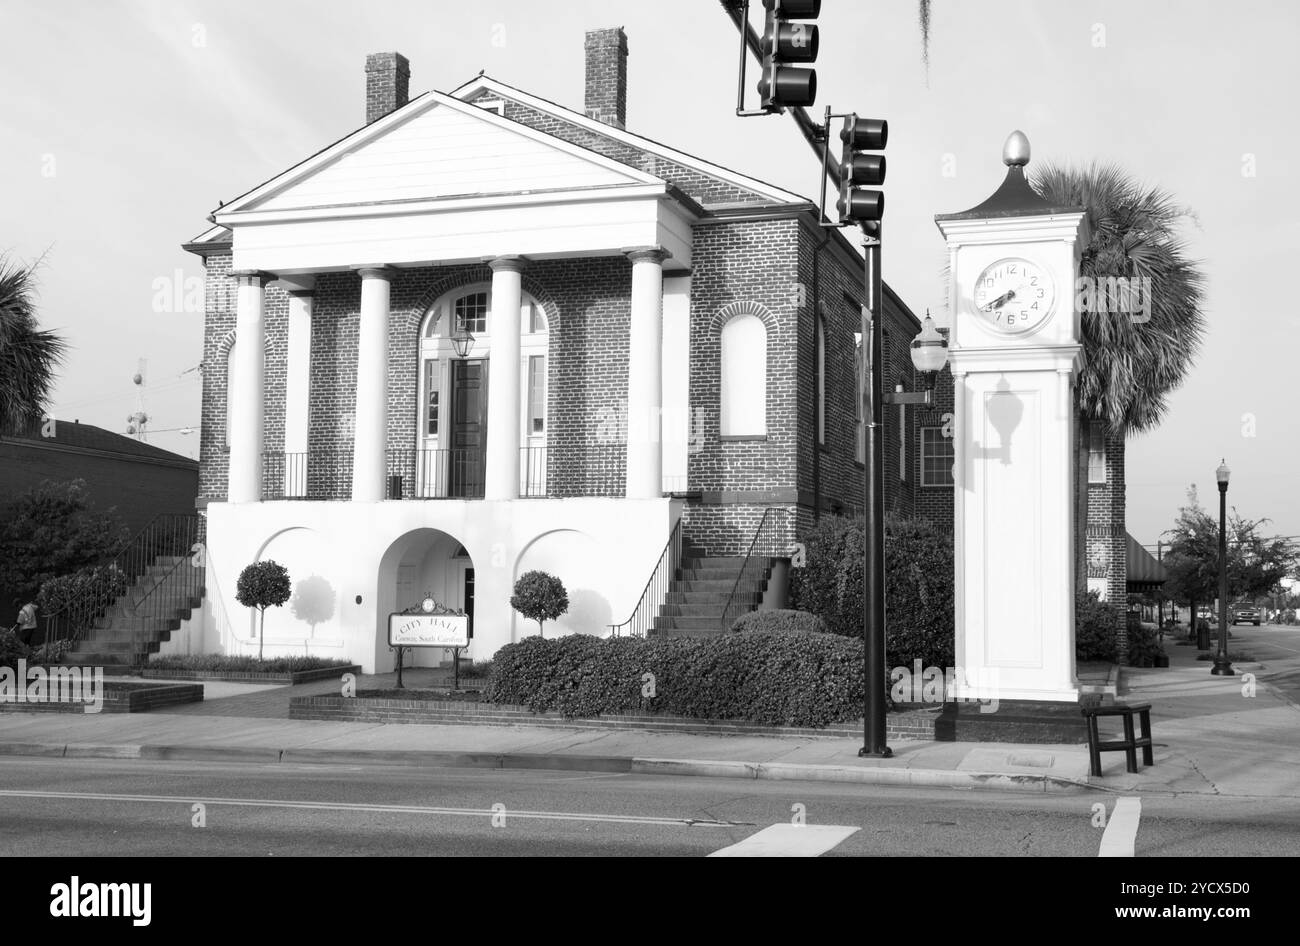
1015 153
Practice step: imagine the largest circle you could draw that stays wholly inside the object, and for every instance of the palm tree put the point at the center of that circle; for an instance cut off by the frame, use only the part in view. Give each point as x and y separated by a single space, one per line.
28 355
1129 364
923 18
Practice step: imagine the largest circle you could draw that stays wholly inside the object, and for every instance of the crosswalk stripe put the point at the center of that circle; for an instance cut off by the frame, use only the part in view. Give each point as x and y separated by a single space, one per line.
789 840
1120 837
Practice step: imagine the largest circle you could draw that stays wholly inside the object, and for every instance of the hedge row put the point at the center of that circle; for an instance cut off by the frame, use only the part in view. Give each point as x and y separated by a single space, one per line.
778 678
919 583
240 663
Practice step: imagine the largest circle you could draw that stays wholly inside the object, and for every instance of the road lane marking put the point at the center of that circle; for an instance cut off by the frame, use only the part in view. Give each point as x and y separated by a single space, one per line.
385 809
790 840
1120 837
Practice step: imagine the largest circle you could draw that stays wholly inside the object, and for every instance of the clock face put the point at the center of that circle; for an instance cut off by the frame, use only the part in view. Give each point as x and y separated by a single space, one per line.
1014 295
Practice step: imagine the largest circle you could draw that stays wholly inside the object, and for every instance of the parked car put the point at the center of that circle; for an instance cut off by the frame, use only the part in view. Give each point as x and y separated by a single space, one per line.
1245 614
1207 614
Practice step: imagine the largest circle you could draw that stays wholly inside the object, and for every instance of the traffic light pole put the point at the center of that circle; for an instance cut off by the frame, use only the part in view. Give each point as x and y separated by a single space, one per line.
811 130
873 618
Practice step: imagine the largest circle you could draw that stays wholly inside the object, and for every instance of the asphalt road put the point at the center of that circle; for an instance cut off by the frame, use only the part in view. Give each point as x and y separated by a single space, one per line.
103 807
1278 647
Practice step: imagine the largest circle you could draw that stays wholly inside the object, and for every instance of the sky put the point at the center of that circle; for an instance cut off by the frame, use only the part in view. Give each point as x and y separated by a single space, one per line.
126 121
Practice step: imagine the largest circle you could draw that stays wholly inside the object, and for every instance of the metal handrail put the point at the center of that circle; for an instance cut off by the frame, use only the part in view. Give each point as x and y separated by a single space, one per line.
728 614
661 578
165 606
166 534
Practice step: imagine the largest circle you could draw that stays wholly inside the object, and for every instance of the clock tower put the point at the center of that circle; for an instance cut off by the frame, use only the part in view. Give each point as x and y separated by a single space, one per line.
1014 350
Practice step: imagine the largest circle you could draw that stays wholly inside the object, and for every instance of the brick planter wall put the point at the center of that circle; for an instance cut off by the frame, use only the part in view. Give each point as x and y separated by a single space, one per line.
911 725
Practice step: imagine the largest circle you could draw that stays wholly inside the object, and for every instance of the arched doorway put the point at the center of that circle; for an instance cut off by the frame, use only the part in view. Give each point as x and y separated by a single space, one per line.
452 397
423 562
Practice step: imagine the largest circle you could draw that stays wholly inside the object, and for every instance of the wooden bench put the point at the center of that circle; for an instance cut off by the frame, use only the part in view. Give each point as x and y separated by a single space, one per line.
1130 744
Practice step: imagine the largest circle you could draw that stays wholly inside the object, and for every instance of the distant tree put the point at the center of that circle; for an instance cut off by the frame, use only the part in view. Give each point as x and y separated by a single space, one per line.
52 531
28 355
263 585
1256 564
539 597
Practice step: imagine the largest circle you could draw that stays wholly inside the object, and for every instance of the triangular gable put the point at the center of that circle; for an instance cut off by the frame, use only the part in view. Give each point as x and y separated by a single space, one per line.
482 84
435 147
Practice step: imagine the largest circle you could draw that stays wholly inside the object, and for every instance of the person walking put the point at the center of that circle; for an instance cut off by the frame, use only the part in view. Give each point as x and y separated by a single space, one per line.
27 623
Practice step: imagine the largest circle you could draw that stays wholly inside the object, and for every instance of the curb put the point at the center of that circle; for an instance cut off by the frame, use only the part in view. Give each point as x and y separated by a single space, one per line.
774 771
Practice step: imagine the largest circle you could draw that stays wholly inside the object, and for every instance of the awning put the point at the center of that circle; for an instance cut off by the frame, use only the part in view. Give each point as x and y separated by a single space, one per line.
1144 572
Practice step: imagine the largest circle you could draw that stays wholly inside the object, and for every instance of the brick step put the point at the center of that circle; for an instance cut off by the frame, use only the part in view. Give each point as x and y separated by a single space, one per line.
114 647
716 585
714 561
710 574
712 609
154 631
690 596
121 662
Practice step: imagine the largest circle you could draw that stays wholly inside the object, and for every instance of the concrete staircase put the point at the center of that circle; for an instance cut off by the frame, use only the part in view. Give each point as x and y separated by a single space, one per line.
696 598
134 626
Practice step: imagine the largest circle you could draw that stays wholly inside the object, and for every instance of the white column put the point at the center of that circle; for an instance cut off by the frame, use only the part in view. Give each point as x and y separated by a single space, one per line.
645 376
369 464
501 478
297 389
245 399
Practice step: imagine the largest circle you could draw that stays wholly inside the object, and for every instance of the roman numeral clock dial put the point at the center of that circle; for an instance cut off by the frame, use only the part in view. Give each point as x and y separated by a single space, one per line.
1014 296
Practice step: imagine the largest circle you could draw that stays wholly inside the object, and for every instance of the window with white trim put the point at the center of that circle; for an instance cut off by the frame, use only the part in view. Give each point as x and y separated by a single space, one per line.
936 457
471 313
536 394
1096 452
432 388
744 377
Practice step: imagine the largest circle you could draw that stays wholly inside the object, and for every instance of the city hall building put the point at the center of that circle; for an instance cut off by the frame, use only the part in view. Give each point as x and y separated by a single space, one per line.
485 334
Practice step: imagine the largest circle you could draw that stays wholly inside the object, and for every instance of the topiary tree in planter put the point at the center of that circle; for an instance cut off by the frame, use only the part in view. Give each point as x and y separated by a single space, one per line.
263 585
539 597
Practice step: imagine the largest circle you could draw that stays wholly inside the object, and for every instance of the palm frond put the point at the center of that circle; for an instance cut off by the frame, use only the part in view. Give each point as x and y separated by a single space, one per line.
1130 365
29 356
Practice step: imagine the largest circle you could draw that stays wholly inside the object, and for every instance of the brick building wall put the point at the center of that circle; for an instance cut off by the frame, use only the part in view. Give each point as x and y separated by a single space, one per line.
218 332
1106 544
934 502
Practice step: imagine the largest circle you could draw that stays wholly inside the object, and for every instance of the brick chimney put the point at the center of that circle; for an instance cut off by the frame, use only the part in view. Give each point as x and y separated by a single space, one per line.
388 79
607 76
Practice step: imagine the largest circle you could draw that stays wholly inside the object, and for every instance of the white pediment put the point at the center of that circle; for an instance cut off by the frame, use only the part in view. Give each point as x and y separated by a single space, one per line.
435 148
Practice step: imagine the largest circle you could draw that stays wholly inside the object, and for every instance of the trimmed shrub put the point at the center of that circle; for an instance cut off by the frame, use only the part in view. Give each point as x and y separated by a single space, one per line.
919 585
12 649
241 663
793 678
103 582
1094 627
540 597
1142 644
795 622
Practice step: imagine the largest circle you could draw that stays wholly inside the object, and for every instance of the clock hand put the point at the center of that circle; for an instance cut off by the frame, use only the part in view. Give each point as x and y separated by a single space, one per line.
1000 301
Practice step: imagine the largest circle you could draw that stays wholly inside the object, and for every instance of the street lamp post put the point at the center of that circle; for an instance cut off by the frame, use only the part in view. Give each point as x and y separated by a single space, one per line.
929 354
1222 667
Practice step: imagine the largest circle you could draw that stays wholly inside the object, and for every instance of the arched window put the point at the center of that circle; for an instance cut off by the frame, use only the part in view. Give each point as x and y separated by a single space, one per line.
744 377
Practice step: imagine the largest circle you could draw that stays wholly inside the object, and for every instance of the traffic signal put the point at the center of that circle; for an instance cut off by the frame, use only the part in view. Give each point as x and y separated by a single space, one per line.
784 42
862 134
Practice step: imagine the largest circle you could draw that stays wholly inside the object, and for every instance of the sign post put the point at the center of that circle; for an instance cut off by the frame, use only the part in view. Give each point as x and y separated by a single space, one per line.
428 625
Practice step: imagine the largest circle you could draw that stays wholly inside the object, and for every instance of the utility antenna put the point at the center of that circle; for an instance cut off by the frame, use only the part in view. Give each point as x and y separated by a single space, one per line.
136 422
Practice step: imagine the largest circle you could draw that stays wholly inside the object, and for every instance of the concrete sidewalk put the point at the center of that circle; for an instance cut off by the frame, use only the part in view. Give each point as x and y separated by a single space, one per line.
1210 739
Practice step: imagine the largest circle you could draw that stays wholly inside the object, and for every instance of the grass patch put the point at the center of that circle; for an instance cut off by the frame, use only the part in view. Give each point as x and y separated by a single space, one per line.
235 663
1233 657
